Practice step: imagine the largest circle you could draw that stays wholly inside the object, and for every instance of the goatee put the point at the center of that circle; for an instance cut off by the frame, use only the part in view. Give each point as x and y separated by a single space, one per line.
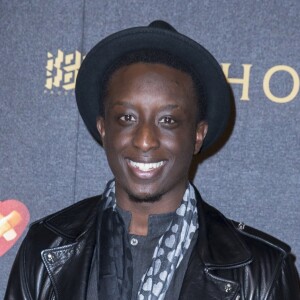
146 198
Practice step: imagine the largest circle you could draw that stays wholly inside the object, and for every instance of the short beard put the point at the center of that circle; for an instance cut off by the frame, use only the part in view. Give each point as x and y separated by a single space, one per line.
145 199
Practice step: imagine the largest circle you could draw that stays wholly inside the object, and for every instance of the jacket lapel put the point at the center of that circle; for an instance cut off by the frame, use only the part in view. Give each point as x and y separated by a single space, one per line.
74 256
218 248
69 259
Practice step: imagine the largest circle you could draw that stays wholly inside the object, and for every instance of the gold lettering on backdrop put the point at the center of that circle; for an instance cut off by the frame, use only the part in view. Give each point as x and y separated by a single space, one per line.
62 70
244 81
54 63
266 84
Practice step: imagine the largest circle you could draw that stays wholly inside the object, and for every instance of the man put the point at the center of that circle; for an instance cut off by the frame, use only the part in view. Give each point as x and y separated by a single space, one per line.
153 98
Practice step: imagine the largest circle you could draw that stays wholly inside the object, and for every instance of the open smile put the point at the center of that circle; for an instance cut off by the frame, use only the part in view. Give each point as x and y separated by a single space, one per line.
146 167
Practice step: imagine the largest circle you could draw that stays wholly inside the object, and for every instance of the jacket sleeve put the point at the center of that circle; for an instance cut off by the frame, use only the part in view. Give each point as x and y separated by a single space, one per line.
28 278
17 287
286 285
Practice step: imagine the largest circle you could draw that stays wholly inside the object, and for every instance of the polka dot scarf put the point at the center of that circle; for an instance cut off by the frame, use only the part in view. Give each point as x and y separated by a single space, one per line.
171 248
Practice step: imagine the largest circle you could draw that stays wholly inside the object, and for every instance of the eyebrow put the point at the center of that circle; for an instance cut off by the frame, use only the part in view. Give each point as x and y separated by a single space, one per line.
127 104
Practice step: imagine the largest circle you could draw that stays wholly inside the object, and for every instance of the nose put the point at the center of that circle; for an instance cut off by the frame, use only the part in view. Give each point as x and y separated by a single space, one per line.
146 137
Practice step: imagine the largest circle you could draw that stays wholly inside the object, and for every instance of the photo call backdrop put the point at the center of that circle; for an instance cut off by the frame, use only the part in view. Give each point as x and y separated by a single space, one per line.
48 159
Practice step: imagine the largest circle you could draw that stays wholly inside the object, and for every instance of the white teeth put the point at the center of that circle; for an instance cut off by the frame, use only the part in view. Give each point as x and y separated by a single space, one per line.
145 167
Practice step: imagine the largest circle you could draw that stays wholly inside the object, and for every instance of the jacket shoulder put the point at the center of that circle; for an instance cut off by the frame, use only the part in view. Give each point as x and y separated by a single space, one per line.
272 266
254 238
259 237
29 278
72 220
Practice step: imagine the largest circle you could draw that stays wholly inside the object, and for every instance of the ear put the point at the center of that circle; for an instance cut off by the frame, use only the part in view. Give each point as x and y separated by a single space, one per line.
101 128
201 132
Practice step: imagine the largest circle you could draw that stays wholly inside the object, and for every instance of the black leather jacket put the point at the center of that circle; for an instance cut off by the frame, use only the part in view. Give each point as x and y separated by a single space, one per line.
229 261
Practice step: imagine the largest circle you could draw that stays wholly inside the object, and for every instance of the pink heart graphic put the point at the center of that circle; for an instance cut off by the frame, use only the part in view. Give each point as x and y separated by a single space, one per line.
14 217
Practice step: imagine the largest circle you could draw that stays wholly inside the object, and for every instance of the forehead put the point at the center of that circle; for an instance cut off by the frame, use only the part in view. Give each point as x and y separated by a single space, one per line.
144 77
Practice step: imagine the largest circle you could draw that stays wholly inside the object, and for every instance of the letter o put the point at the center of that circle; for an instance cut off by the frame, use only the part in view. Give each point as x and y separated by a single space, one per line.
295 89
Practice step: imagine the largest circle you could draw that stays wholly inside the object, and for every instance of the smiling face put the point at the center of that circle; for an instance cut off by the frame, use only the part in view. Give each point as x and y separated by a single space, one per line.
150 133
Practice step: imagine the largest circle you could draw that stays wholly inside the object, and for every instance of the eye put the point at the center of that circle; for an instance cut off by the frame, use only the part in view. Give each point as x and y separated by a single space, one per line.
128 118
167 120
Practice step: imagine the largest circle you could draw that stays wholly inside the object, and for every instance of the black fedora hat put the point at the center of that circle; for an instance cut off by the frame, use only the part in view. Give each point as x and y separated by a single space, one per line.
161 36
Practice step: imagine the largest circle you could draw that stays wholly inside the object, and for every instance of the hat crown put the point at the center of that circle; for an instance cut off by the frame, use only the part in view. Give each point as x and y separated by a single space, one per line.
160 24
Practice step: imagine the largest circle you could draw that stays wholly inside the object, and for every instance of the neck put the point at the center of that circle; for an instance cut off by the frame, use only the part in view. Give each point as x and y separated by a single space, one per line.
140 211
168 202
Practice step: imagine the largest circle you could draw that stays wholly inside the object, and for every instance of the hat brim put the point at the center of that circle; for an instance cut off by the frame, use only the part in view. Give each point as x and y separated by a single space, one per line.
91 74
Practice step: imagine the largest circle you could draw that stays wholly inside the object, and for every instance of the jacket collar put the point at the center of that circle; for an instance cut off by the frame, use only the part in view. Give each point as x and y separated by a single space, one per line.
74 249
74 221
219 244
218 248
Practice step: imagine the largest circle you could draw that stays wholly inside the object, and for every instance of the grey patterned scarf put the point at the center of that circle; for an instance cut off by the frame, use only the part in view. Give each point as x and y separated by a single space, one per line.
169 252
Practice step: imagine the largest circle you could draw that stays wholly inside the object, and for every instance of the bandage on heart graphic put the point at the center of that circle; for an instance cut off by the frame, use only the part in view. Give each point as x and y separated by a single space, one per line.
14 217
